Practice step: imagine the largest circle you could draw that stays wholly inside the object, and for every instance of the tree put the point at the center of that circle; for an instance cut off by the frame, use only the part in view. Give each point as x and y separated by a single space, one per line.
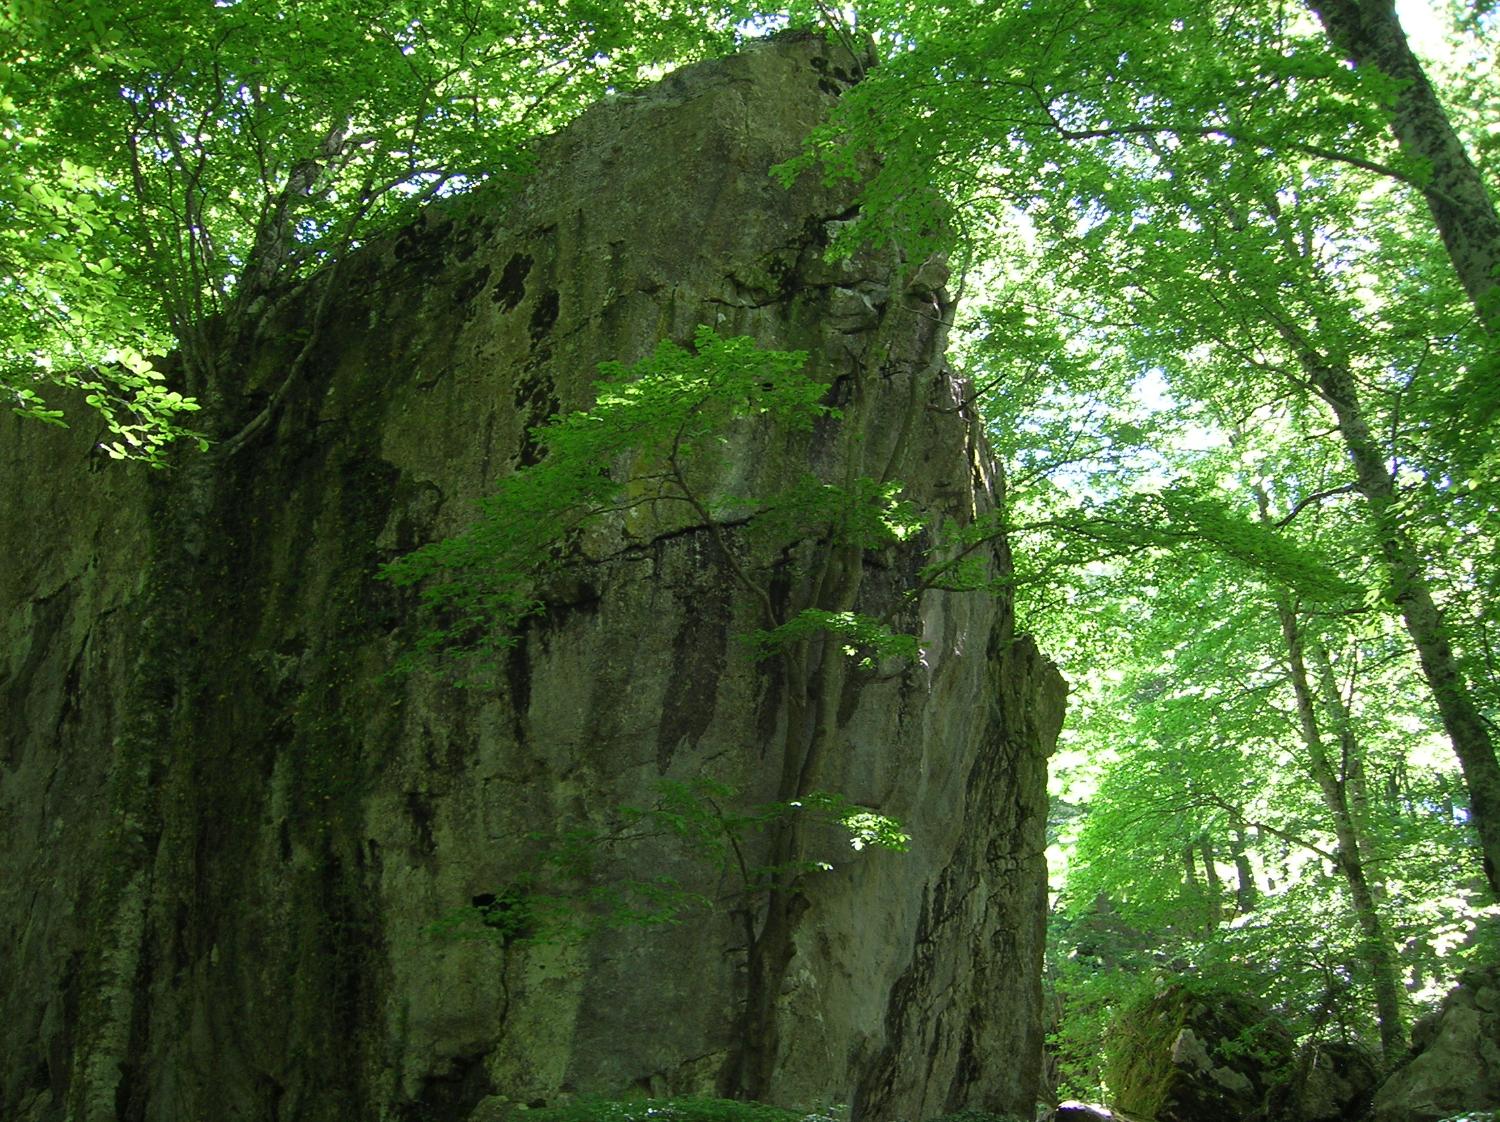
1354 844
1370 35
1231 190
1217 737
179 170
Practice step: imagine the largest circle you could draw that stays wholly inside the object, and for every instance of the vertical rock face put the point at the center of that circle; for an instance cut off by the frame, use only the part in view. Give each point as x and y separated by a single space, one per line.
227 829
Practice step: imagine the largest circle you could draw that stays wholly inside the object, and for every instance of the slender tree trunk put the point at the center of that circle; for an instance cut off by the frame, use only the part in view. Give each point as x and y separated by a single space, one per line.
1373 938
1368 33
1351 760
1211 878
1351 846
1245 892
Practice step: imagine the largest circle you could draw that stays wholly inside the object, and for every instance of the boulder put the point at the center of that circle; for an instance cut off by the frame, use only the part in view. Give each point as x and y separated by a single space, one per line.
1332 1082
237 844
1186 1055
1455 1062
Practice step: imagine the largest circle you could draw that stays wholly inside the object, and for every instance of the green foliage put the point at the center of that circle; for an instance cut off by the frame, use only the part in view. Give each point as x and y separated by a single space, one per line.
69 314
657 429
1182 218
173 167
863 512
860 636
523 913
864 826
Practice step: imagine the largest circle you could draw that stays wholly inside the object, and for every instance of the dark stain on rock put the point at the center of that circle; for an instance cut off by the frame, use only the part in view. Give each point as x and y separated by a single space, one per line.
419 809
408 244
698 656
544 315
565 595
849 696
512 287
450 1095
784 272
535 403
422 239
464 242
518 678
471 286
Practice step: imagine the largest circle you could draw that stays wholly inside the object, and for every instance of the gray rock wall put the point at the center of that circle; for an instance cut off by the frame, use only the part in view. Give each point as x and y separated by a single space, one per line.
227 828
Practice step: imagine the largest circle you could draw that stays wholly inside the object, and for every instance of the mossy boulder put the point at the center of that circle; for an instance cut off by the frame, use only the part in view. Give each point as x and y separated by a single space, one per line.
1188 1054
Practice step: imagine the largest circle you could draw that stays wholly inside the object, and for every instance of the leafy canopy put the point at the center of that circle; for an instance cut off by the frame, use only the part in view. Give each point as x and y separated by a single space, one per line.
170 167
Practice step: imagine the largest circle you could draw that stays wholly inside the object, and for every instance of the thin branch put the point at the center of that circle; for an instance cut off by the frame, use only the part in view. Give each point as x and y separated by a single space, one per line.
1316 497
1240 818
1116 132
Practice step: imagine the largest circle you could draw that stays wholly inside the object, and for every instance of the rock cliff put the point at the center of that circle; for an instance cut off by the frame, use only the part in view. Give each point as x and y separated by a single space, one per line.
228 829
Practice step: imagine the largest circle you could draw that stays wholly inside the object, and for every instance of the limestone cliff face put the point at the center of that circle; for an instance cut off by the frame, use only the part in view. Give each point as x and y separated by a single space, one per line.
227 829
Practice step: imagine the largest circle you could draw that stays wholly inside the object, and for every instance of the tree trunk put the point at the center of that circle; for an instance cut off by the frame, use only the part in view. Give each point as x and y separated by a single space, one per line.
1211 878
1410 592
1190 870
1375 942
1369 34
1245 892
1351 761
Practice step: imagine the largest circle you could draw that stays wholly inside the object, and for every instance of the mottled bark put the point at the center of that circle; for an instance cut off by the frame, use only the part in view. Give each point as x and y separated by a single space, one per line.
1369 34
